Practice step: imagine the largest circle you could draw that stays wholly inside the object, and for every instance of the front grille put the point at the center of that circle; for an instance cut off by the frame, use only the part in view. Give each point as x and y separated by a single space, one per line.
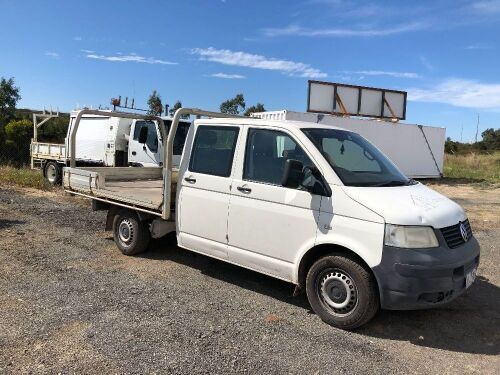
453 236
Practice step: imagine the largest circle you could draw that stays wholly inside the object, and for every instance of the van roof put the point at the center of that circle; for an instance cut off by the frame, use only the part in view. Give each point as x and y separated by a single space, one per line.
271 123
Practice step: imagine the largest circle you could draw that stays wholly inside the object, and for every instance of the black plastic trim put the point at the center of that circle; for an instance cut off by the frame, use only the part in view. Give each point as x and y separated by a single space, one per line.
409 279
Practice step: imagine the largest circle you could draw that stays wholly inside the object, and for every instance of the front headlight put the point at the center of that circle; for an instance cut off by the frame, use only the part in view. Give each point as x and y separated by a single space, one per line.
411 237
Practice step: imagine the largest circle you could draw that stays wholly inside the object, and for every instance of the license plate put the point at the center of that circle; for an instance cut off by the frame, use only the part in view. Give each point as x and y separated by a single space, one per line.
470 277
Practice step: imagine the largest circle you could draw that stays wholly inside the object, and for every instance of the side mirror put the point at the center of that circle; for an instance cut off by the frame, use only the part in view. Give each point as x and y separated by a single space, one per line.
293 174
143 135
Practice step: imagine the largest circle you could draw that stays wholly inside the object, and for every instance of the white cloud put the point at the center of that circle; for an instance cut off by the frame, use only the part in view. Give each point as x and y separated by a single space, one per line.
386 73
132 57
460 93
87 51
486 6
55 55
248 60
294 30
227 76
479 46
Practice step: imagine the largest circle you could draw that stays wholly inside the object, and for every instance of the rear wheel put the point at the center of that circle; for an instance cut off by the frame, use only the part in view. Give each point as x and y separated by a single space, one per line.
130 234
53 172
342 292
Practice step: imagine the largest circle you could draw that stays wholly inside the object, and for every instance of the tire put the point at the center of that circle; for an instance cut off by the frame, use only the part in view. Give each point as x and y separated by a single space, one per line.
52 173
342 292
130 234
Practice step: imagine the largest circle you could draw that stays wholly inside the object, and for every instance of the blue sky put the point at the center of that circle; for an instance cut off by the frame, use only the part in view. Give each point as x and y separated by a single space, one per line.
445 53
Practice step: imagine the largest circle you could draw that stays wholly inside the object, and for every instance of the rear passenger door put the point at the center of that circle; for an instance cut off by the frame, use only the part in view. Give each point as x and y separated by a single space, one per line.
205 191
268 224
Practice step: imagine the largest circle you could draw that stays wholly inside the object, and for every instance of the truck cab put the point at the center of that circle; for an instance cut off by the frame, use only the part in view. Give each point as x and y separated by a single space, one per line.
150 153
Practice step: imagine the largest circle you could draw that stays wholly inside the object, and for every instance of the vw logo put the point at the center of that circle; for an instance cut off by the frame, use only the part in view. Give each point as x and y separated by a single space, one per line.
463 232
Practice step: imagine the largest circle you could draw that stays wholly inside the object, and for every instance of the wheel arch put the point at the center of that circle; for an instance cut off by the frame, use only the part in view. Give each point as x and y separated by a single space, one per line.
113 209
321 250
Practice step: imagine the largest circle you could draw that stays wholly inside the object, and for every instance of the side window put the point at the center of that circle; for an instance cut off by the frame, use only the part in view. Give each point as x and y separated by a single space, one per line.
213 150
137 129
266 154
152 140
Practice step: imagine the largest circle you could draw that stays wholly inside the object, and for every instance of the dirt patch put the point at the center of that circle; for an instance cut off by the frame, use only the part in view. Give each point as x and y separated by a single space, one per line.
482 204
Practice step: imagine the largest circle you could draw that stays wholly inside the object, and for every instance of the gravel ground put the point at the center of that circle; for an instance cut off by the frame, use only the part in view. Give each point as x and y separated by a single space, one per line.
70 302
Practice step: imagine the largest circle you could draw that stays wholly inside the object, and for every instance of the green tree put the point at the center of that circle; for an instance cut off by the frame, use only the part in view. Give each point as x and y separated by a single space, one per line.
154 104
19 134
54 130
175 107
233 106
450 147
491 139
259 107
9 96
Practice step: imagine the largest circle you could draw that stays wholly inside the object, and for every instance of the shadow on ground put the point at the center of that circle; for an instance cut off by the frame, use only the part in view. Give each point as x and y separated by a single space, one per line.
4 224
469 324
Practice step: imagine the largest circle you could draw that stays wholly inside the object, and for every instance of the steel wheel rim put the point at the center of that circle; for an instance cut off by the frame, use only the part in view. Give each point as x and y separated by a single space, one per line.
126 232
51 173
337 292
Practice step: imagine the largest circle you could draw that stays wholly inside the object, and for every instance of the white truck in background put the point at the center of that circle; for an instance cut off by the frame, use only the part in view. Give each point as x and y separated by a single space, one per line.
107 141
315 205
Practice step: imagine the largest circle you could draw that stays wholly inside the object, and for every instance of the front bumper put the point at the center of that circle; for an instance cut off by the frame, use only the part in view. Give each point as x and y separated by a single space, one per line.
410 279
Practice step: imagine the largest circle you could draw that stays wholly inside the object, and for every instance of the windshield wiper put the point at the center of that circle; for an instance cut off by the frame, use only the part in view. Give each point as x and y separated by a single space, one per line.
393 183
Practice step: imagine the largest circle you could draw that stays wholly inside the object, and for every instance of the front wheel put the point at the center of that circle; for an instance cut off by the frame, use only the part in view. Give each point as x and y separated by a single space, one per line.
342 292
130 234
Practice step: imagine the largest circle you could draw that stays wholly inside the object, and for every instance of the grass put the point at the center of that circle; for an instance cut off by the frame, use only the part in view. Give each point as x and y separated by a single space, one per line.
23 177
473 167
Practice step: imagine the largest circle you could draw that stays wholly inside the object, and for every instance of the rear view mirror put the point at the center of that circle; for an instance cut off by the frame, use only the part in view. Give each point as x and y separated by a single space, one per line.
293 174
143 135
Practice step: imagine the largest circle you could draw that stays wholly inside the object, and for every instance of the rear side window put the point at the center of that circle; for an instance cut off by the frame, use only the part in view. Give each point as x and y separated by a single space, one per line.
213 150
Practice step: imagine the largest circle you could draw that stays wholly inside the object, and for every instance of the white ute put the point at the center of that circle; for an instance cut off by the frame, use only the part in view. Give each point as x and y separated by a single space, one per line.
314 205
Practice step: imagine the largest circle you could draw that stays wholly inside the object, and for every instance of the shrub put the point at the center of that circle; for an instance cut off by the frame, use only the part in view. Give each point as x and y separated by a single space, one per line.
19 134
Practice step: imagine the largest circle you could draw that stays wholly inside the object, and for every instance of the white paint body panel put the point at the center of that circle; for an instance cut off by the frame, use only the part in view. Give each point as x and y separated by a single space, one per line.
409 205
204 211
403 143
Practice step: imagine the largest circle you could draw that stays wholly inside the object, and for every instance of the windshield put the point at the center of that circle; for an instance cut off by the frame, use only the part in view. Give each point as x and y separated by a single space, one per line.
355 160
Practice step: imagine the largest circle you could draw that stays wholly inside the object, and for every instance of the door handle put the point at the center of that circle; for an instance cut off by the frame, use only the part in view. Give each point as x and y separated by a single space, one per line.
190 180
134 153
244 189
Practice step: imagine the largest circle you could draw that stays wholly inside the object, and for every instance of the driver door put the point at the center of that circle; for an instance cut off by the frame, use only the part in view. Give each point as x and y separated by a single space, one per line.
144 155
268 223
